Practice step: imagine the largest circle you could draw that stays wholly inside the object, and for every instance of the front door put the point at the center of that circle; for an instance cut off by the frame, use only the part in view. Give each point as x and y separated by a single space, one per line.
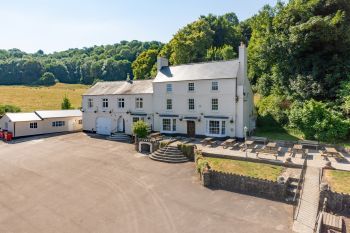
191 128
121 125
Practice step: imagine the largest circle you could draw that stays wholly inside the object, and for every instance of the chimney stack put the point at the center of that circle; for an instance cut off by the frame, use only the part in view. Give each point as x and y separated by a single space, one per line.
162 62
243 63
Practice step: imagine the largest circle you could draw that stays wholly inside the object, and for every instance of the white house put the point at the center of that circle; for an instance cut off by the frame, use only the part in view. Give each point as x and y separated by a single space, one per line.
41 122
202 99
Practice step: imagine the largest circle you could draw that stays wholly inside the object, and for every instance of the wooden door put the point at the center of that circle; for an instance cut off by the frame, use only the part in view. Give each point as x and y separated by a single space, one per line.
191 128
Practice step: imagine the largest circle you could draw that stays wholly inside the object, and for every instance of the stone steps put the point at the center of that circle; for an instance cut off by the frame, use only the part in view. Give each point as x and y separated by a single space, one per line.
120 137
169 154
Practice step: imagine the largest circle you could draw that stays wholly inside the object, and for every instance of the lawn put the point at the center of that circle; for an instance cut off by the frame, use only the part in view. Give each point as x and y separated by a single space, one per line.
257 170
338 180
30 98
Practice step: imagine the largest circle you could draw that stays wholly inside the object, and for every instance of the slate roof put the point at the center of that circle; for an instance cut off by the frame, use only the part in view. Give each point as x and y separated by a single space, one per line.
121 88
58 113
23 116
199 71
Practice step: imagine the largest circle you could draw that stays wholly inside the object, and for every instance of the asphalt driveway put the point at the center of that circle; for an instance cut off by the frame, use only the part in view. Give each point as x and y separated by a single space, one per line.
75 183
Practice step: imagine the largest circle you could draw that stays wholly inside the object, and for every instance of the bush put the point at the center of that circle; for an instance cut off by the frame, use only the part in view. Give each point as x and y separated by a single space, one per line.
47 79
187 150
66 103
317 121
140 129
275 106
8 108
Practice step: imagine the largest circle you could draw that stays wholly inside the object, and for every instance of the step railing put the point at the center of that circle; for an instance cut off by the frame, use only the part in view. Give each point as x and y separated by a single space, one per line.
299 192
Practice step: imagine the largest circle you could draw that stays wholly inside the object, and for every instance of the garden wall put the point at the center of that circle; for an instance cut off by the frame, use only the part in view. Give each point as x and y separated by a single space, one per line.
336 202
243 184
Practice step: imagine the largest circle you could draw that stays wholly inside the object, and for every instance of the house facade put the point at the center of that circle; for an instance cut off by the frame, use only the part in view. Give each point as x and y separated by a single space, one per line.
41 122
202 99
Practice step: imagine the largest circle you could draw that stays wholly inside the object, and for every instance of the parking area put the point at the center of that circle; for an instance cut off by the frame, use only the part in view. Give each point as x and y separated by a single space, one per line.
78 183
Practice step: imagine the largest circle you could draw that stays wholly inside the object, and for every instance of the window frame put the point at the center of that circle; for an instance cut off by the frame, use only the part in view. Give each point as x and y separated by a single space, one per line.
191 87
215 106
121 101
139 103
33 125
169 87
90 103
191 104
216 86
220 128
105 103
169 104
171 125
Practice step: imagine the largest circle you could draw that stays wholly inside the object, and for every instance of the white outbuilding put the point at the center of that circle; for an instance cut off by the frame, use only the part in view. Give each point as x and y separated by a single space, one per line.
41 122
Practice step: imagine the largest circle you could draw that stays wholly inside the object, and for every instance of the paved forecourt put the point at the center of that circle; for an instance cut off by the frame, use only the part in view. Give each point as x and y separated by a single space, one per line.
77 183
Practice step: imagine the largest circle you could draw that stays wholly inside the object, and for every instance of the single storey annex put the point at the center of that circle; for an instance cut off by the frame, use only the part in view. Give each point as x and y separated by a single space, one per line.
41 122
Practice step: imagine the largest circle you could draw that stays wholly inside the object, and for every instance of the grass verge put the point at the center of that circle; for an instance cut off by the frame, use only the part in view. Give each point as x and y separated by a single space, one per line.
257 170
338 180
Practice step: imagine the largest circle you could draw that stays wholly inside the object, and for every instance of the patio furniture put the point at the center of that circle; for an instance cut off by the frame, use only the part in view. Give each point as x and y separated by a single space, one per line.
228 143
236 145
309 143
213 143
259 139
330 151
250 144
206 141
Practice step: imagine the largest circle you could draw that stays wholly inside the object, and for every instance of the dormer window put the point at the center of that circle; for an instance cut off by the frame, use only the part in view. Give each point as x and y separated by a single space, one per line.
190 87
169 88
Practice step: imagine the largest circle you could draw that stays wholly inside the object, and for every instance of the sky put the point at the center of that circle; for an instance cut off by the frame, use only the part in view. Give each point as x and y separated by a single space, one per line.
58 25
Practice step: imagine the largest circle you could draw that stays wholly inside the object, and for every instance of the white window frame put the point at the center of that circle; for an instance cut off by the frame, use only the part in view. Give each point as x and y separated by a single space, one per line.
215 86
58 123
215 106
121 103
193 105
171 125
169 104
90 103
80 122
222 128
169 87
191 87
33 125
105 103
139 103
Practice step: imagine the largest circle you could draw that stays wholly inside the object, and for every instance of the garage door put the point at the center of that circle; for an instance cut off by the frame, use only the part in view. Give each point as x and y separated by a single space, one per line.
104 126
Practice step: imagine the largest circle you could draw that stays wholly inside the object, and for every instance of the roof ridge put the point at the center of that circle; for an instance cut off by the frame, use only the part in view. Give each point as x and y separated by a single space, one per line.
204 62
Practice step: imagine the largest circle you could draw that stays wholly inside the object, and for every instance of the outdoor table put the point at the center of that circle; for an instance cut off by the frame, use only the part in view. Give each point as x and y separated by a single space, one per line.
297 148
228 142
271 145
249 144
331 151
206 141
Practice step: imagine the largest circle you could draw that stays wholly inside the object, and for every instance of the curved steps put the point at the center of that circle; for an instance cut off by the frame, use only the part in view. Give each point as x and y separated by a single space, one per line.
169 154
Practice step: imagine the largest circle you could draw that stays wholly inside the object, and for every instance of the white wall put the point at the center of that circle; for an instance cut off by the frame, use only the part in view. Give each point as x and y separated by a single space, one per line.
114 113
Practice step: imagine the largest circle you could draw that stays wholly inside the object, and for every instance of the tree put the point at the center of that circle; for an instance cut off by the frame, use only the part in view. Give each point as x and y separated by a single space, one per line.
66 103
144 63
224 53
8 108
47 79
140 129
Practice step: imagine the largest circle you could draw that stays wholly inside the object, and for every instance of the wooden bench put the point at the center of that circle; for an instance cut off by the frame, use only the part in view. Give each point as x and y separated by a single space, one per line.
309 143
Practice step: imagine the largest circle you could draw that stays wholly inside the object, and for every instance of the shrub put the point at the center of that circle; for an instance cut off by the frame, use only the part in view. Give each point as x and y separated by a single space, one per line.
163 144
66 103
47 79
274 106
317 121
140 129
8 108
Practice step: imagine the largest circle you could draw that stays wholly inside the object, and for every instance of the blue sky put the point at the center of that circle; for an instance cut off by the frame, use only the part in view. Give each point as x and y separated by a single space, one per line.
58 25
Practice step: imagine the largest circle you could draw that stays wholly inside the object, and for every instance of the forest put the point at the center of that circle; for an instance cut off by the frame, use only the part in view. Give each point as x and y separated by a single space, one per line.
299 62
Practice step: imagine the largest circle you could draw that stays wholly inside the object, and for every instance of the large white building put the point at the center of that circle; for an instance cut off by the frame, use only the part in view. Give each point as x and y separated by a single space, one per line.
202 99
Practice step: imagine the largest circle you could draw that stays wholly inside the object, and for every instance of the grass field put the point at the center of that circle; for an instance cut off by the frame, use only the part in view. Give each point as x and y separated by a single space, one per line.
257 170
338 180
30 98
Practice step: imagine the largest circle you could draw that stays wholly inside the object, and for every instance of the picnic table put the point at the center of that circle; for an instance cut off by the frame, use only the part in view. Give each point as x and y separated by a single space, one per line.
250 144
206 141
271 145
331 151
228 142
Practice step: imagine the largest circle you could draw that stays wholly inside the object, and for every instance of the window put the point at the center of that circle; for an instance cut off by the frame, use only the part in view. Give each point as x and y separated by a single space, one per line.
80 122
104 103
121 103
169 87
33 125
223 128
59 123
90 103
166 125
169 104
190 86
214 104
214 86
190 104
139 103
136 119
214 127
174 125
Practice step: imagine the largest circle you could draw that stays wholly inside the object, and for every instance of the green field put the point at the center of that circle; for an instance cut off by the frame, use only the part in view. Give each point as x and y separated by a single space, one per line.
338 180
257 170
30 98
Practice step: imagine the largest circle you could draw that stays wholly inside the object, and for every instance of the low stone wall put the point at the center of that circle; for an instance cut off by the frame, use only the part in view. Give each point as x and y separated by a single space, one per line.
243 184
336 202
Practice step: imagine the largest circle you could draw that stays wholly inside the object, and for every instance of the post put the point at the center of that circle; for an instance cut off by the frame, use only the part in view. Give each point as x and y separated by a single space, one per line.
245 140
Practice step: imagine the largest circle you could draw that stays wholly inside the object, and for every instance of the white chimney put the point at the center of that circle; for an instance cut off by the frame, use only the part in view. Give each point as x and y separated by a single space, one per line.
162 62
243 63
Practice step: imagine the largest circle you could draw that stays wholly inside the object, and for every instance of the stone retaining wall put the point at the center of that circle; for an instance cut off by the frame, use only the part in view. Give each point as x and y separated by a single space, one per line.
243 184
336 202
